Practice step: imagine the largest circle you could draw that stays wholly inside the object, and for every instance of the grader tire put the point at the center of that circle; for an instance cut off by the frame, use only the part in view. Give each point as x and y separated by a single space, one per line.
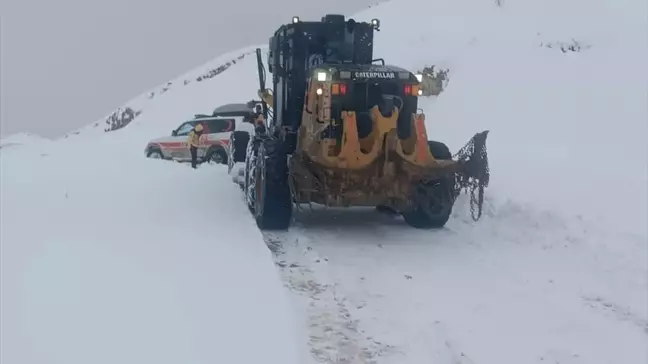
435 198
273 202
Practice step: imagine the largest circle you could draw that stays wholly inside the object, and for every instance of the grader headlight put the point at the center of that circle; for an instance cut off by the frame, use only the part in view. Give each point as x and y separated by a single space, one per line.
321 76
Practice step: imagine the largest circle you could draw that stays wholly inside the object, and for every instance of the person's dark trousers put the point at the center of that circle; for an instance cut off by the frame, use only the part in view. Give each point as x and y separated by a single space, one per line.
194 156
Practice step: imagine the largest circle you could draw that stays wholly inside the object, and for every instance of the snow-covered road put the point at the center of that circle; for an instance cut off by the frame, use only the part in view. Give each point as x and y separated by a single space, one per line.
378 291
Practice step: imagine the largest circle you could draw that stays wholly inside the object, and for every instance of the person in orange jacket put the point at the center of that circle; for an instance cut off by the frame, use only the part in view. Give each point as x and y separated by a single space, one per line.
193 142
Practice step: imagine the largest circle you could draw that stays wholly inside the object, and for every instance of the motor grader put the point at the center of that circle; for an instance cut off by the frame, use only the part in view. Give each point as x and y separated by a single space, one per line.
340 128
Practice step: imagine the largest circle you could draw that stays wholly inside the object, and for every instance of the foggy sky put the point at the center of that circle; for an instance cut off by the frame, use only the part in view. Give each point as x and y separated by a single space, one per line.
67 63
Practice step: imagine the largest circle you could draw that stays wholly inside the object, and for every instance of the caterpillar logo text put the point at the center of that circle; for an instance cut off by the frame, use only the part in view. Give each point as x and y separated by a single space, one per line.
386 75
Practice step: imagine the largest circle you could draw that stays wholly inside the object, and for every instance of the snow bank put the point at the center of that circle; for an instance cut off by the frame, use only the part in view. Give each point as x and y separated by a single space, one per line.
560 138
568 129
111 257
105 261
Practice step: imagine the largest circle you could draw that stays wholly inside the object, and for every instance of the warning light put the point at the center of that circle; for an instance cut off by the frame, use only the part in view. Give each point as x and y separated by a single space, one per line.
412 90
338 89
295 19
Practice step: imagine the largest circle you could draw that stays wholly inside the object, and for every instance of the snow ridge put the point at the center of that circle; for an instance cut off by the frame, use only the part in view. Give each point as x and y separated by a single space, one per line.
121 117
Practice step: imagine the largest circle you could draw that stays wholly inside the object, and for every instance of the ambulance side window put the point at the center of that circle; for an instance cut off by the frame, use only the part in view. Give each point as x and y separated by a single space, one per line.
184 129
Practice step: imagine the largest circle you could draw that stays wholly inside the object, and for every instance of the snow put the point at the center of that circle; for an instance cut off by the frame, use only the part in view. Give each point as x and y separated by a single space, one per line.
110 257
588 108
151 98
539 292
238 173
107 256
20 139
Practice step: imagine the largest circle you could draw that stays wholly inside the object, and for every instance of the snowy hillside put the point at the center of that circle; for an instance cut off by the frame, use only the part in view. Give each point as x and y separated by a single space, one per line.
21 139
124 115
108 256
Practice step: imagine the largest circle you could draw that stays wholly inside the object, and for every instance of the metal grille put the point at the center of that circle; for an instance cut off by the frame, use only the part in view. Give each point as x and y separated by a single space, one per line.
475 175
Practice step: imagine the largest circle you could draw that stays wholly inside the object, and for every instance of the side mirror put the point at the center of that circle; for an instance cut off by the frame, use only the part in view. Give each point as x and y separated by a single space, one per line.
174 133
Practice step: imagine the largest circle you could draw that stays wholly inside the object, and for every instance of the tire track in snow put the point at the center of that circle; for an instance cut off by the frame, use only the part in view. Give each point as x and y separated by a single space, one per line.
361 229
334 335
